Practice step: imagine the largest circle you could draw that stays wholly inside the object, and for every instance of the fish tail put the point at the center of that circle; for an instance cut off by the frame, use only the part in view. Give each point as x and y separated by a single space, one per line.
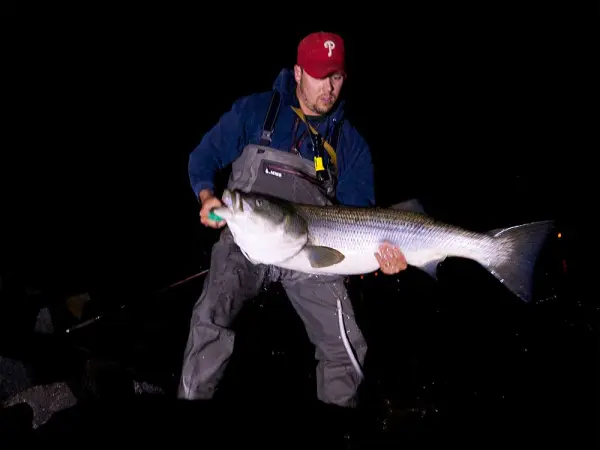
518 249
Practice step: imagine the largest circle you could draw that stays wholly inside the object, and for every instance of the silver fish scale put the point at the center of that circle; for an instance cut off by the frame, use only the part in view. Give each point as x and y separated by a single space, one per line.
363 230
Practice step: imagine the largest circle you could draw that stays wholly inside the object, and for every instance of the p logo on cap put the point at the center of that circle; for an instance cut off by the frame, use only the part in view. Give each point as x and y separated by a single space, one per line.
330 45
322 54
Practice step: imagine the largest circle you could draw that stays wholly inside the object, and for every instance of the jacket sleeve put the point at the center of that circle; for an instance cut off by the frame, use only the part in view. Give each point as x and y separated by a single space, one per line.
219 147
356 180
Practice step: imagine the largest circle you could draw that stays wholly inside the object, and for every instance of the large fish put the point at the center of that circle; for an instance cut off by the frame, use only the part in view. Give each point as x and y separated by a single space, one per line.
343 240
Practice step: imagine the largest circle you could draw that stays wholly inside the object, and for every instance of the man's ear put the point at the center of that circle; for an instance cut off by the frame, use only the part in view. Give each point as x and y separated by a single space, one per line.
297 73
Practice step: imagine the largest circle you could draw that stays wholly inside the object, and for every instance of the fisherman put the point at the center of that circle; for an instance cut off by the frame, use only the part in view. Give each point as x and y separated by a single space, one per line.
294 143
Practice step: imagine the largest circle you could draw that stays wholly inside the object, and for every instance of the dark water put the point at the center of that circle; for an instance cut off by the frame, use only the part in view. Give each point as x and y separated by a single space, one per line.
455 361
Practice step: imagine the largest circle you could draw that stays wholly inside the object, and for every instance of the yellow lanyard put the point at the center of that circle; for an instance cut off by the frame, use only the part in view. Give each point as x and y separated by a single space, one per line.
329 148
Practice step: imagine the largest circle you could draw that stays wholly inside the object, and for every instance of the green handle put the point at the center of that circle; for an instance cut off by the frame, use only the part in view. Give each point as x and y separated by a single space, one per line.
213 216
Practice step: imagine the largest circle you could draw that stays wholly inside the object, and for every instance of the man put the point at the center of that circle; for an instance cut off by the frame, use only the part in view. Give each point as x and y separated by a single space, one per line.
265 138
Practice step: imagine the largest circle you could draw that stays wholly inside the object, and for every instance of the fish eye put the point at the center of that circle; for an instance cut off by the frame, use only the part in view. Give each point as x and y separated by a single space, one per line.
258 202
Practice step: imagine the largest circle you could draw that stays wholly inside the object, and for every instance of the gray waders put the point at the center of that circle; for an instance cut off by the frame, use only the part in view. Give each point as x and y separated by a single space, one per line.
232 280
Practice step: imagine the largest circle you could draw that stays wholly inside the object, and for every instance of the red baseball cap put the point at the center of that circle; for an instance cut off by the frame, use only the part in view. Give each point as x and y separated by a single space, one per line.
322 54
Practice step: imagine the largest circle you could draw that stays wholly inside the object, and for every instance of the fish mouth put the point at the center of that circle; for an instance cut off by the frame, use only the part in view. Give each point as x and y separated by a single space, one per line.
234 202
227 209
229 199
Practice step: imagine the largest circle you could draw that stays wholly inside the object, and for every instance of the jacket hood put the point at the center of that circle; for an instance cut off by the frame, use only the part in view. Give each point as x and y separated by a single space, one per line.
285 83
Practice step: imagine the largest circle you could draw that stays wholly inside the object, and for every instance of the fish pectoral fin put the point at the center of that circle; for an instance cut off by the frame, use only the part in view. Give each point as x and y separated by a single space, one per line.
323 256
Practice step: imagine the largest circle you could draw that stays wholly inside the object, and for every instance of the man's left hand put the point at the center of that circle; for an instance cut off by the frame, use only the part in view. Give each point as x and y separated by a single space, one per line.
391 259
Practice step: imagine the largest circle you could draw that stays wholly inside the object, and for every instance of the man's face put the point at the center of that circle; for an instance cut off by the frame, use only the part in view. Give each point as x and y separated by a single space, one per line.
318 95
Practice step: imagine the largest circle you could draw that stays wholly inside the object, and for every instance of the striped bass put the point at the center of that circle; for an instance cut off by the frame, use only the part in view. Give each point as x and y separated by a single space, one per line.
343 240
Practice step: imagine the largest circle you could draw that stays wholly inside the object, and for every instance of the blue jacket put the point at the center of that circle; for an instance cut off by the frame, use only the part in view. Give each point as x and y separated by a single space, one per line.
242 125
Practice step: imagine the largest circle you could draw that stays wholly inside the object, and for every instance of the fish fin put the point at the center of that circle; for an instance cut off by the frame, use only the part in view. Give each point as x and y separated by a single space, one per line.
411 205
495 232
431 267
521 244
323 256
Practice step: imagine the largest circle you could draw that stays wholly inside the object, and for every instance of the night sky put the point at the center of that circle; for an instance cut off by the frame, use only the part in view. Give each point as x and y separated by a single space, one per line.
468 108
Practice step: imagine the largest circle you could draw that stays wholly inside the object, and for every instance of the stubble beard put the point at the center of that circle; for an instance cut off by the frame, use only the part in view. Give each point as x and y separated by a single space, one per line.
314 107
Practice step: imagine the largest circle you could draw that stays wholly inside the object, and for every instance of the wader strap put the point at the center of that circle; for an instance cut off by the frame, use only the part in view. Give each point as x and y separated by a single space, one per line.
326 144
335 135
267 131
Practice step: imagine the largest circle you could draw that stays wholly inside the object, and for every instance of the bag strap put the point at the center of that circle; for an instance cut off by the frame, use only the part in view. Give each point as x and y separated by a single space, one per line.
328 147
267 131
335 135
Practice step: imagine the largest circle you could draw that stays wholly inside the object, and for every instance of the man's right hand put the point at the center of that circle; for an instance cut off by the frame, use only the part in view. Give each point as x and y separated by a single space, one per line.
209 202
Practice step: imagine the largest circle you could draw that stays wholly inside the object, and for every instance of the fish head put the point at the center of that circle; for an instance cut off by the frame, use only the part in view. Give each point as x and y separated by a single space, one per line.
257 211
267 229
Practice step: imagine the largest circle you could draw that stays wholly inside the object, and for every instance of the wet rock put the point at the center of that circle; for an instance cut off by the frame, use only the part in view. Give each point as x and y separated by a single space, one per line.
44 401
14 377
43 323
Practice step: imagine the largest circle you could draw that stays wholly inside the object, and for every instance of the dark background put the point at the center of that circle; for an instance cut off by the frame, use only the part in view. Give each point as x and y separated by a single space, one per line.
475 110
480 110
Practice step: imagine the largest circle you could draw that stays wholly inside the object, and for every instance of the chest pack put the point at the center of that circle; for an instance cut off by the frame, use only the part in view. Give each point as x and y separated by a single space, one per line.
284 174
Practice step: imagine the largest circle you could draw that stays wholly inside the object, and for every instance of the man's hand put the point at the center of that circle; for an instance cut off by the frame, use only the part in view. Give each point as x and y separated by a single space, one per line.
390 258
209 201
